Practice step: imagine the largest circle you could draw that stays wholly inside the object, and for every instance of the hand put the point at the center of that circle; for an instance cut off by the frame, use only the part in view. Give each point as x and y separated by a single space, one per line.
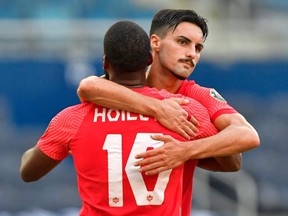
168 156
175 118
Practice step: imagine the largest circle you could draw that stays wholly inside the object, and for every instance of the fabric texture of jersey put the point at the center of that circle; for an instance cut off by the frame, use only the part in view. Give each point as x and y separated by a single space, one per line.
216 106
208 97
104 143
206 129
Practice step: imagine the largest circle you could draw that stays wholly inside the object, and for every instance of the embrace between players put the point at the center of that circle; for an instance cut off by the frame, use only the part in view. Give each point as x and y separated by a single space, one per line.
195 126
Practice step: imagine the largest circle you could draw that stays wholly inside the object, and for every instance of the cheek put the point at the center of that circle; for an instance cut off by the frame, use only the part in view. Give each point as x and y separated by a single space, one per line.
169 47
170 52
197 58
167 58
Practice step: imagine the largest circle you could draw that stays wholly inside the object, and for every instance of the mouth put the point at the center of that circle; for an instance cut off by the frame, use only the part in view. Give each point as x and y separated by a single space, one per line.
188 62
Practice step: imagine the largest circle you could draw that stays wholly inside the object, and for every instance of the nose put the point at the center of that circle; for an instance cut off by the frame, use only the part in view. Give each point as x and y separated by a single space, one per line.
191 52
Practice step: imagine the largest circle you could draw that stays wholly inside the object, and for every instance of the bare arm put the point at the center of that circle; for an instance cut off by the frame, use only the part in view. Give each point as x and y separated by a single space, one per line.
236 136
222 164
35 164
109 94
231 126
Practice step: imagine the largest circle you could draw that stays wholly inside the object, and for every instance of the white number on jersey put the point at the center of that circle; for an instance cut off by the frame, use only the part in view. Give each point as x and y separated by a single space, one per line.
113 144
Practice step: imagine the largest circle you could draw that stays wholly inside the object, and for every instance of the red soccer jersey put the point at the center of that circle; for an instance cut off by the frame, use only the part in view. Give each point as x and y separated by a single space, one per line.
216 106
190 165
104 143
208 97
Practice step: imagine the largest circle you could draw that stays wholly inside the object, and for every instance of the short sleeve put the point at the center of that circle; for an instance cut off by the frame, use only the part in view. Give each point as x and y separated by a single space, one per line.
60 131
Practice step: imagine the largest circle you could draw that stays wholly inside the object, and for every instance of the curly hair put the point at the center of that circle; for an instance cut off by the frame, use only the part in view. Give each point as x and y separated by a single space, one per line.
127 46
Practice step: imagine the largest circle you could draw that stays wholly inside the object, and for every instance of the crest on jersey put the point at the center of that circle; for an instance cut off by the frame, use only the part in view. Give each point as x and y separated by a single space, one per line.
216 95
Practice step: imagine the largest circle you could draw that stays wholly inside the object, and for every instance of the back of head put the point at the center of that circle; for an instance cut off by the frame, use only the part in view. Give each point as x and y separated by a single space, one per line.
170 18
127 47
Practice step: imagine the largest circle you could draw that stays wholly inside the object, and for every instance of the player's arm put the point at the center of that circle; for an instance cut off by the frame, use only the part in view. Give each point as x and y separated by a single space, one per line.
230 163
234 125
35 164
236 135
109 94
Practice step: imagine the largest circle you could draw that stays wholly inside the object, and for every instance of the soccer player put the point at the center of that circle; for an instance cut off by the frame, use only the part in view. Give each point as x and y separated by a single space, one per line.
177 38
104 142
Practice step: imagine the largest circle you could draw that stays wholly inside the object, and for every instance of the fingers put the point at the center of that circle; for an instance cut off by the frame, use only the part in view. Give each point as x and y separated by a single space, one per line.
192 124
151 156
188 125
147 164
151 159
186 129
154 171
175 118
185 132
151 166
146 155
181 101
159 137
194 121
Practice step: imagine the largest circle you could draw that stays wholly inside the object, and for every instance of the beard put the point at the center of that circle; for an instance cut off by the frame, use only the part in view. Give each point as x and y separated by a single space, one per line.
178 76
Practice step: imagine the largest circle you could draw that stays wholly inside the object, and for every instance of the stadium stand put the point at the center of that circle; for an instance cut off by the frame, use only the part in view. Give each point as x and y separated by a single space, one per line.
38 42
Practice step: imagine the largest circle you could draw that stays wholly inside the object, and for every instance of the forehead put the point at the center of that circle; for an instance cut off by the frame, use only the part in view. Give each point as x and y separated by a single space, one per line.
188 30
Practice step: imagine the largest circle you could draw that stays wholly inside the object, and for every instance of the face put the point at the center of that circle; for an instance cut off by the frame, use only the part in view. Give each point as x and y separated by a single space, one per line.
179 51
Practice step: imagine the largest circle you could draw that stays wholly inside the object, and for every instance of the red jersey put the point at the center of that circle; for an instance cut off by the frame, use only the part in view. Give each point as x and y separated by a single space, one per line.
216 106
208 97
104 143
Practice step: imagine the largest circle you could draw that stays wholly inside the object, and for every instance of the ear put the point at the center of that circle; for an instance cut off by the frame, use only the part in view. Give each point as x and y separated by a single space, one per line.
155 42
105 63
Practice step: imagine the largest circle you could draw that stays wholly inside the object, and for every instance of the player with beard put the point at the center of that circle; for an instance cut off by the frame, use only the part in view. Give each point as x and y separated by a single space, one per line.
104 142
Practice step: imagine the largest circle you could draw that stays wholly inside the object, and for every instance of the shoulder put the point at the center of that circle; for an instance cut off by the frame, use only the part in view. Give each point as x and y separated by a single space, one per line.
65 124
71 113
186 84
193 90
151 92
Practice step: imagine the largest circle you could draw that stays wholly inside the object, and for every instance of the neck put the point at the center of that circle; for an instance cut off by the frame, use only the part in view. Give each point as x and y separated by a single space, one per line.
130 85
162 79
130 80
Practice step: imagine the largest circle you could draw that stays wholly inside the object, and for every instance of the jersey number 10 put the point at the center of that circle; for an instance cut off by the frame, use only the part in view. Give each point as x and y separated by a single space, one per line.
113 145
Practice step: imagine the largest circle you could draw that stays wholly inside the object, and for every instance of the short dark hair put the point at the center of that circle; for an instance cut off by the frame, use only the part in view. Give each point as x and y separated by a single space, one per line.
171 18
127 47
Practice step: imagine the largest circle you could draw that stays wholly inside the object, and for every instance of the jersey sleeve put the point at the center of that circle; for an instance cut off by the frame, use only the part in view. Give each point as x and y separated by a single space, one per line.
60 131
208 97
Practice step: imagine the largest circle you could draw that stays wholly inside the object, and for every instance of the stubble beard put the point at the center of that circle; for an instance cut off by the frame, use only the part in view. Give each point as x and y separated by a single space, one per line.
177 71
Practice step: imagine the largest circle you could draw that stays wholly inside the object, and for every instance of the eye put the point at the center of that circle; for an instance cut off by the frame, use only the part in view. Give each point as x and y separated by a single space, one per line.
182 42
198 48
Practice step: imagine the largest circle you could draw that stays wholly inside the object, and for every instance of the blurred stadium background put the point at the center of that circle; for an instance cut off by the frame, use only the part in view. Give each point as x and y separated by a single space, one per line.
46 47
